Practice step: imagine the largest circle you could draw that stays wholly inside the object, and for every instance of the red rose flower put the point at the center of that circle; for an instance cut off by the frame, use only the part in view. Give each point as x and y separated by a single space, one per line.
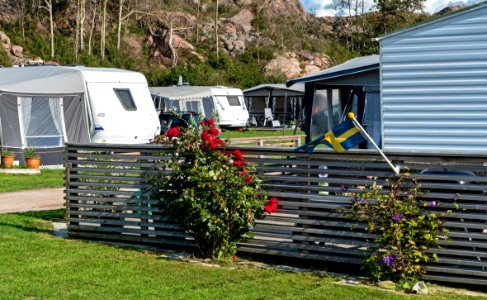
214 131
248 179
272 206
206 136
237 163
238 154
172 133
220 142
210 122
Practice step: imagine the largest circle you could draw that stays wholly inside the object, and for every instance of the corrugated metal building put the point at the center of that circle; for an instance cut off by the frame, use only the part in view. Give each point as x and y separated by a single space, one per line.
434 85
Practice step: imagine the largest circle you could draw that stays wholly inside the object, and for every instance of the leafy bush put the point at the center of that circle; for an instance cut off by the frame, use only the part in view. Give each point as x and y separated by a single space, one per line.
406 227
4 60
213 194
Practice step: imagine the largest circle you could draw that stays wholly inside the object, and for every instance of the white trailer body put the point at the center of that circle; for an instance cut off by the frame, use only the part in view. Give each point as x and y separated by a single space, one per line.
226 103
121 107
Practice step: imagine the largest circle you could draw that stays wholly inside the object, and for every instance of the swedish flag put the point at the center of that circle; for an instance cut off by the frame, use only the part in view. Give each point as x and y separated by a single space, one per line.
341 138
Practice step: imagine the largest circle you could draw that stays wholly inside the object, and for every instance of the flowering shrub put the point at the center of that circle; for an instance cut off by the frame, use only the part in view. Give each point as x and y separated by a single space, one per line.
406 227
213 194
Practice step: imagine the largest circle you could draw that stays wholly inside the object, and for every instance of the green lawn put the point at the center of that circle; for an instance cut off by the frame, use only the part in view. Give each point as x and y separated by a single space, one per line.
36 265
228 134
18 182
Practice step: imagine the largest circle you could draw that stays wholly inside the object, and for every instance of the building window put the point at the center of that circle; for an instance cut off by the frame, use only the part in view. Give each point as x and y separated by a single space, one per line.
126 99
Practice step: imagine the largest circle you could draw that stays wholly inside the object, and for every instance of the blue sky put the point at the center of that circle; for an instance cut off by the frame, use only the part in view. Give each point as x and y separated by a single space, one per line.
328 7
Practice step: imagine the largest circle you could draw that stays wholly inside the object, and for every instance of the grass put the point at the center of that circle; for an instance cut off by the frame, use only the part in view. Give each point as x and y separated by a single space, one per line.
34 264
18 182
228 134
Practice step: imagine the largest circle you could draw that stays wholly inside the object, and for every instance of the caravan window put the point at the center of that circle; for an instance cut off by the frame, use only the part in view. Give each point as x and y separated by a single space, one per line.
233 101
126 99
42 123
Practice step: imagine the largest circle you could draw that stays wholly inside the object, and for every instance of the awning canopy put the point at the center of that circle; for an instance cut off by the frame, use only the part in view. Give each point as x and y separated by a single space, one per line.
42 80
181 92
354 66
277 90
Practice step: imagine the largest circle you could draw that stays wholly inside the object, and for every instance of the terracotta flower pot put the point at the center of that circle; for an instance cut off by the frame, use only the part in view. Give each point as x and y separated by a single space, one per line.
33 162
7 161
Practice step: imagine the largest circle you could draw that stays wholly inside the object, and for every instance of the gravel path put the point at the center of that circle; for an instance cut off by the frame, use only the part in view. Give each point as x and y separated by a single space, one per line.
32 200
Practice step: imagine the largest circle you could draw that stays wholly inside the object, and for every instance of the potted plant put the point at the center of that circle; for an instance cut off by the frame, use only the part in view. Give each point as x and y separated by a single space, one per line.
32 159
7 158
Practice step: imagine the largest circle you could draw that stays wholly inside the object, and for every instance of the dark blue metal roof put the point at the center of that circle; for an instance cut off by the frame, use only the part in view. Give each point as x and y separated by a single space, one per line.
353 66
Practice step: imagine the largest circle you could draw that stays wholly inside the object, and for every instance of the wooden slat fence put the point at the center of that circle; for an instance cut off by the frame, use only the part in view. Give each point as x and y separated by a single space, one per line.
108 197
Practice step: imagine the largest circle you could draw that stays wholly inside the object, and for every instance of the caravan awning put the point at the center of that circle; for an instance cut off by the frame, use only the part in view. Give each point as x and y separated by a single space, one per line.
182 92
351 67
278 90
42 80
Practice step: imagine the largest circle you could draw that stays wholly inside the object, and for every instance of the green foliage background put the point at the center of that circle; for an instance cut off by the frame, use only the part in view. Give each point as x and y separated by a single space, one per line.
284 34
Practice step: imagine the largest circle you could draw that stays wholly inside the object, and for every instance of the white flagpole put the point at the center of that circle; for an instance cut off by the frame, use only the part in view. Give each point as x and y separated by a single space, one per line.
351 116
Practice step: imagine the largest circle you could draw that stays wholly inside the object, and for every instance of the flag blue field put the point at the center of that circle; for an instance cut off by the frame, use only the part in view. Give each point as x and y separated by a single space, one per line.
341 138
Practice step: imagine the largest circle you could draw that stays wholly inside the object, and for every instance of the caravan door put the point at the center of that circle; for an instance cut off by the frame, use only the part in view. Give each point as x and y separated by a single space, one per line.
122 113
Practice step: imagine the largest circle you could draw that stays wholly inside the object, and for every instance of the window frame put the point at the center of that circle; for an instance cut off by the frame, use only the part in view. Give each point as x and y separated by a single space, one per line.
117 90
233 105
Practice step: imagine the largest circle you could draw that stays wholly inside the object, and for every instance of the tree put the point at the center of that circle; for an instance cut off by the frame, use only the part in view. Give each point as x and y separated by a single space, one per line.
80 26
103 28
216 28
48 6
93 4
21 7
396 13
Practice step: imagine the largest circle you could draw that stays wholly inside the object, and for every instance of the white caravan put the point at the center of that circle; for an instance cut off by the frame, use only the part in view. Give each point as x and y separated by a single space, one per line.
45 107
226 103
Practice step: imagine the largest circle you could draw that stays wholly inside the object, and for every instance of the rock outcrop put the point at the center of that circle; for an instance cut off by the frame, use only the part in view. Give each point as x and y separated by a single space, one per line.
287 8
169 50
236 32
295 64
289 67
15 53
10 11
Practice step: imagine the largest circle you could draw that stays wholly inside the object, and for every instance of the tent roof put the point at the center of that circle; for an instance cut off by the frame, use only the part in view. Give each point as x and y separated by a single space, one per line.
278 90
351 67
187 92
60 80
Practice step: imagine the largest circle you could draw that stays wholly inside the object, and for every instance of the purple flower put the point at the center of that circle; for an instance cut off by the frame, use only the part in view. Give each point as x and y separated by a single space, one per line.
390 259
359 201
397 218
431 203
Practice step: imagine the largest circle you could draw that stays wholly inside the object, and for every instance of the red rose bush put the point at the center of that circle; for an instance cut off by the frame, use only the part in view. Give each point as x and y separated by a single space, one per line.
213 193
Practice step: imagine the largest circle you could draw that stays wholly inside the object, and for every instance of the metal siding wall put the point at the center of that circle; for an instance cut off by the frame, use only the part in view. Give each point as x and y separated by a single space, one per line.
434 86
